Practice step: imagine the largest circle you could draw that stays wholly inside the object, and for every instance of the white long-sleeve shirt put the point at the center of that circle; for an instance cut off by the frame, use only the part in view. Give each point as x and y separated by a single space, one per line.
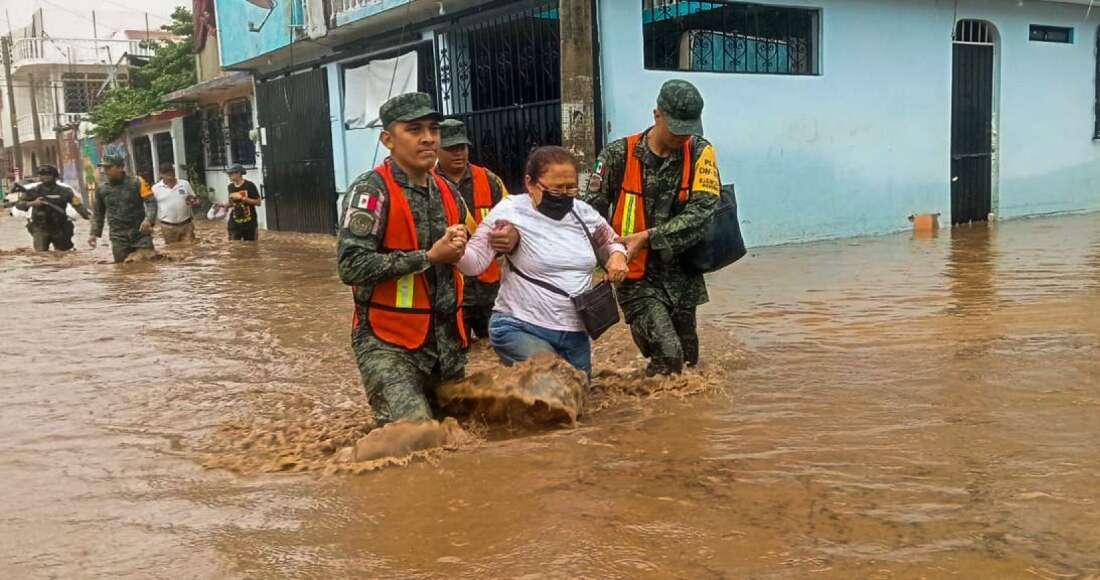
555 252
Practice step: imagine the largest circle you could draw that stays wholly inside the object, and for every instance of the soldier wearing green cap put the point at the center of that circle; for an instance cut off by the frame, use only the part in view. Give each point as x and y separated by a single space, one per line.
658 188
128 205
47 201
481 190
401 234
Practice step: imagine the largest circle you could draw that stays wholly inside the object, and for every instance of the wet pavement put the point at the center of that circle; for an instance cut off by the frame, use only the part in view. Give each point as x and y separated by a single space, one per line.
894 408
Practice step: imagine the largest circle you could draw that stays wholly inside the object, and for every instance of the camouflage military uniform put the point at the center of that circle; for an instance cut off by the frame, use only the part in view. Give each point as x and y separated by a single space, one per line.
124 206
660 308
479 297
400 383
50 225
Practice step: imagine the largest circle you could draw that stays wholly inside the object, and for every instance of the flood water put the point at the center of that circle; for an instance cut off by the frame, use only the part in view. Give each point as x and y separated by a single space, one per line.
886 408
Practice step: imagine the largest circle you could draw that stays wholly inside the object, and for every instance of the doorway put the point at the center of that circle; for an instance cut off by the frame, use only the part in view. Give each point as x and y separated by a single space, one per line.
972 121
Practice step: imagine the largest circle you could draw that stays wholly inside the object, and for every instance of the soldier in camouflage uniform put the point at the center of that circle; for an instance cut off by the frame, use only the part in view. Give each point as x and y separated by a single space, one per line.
454 154
407 334
129 206
47 202
660 212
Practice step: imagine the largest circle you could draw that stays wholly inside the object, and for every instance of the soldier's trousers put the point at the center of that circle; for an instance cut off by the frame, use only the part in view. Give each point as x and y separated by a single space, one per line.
396 388
61 236
665 335
125 243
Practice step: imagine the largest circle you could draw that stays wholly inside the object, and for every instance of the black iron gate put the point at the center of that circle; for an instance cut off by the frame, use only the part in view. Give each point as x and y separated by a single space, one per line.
299 182
143 159
972 122
502 77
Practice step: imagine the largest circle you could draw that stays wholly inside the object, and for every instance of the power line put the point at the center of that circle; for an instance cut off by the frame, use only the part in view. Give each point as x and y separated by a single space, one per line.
131 8
78 15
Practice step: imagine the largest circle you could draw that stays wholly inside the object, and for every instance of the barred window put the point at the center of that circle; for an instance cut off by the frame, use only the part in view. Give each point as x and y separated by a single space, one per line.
164 146
80 91
213 136
240 124
730 37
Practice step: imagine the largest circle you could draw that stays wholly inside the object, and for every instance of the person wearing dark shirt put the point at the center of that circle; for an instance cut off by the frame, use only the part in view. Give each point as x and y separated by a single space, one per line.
244 198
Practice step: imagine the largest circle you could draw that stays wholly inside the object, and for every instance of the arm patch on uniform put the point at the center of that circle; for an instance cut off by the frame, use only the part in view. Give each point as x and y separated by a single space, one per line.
145 190
360 223
706 173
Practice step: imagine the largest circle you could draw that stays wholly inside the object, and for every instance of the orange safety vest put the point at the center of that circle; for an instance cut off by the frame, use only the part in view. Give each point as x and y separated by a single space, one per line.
400 310
483 204
629 215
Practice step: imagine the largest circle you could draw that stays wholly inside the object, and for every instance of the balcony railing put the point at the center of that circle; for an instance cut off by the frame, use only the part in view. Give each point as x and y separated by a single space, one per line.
344 11
27 51
47 123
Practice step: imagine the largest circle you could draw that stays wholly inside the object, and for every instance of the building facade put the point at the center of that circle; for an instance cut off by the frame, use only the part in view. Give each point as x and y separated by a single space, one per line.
834 118
55 81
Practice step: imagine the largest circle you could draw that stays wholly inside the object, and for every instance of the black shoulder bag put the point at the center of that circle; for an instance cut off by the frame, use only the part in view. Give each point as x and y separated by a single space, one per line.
596 307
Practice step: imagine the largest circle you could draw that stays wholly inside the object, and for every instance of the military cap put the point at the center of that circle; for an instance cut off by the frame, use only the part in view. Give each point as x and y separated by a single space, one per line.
452 132
47 169
407 107
682 105
112 160
236 168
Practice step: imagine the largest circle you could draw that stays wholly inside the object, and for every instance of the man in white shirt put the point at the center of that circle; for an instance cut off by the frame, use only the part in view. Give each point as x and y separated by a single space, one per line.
175 198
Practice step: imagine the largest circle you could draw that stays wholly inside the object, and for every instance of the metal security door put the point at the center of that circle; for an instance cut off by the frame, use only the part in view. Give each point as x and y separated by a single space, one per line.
502 76
299 182
972 122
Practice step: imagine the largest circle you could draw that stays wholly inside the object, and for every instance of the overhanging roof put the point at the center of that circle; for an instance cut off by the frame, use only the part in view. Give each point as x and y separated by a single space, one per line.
228 83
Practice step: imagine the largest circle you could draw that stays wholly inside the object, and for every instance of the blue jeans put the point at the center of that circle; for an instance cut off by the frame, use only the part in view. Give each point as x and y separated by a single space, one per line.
515 341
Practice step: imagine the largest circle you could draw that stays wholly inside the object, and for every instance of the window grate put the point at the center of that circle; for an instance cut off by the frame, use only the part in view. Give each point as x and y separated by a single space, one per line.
730 37
1057 34
213 136
241 146
974 32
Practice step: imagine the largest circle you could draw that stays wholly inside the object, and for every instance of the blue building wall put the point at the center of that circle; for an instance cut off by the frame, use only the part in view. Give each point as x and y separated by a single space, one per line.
238 44
857 149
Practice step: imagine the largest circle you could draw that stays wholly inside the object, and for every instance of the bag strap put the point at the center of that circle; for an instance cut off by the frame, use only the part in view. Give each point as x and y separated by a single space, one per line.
535 281
588 234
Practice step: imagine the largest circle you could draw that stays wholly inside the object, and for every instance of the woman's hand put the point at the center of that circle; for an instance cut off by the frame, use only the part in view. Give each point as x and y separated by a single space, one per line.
617 267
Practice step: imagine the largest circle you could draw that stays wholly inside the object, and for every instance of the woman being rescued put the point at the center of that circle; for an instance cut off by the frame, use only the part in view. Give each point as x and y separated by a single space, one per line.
554 250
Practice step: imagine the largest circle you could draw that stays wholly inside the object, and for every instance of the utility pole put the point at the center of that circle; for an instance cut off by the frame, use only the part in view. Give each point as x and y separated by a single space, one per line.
579 77
5 44
34 109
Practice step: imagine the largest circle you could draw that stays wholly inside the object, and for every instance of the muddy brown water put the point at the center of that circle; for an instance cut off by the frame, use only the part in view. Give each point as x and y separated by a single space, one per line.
894 408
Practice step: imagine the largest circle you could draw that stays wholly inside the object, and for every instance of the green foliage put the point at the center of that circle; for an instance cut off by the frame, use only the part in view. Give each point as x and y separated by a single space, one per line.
171 68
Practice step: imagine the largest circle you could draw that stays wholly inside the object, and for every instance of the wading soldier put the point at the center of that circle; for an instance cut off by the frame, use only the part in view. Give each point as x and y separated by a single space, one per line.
401 233
660 187
128 205
481 189
47 202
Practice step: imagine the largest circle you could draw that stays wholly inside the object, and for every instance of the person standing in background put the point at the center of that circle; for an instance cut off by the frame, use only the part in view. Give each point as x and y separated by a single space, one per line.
47 202
175 199
244 198
481 190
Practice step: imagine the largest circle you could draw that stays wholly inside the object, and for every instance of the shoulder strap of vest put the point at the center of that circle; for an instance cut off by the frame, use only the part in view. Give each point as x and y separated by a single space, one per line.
688 168
483 193
633 178
400 225
447 196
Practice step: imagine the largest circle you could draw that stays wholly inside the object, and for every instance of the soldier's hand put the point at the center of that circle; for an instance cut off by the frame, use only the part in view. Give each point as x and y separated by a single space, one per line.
635 243
39 202
459 236
504 238
448 249
146 228
92 241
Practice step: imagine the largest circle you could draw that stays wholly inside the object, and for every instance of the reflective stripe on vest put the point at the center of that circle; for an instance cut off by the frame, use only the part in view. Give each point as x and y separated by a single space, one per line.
630 216
400 309
483 204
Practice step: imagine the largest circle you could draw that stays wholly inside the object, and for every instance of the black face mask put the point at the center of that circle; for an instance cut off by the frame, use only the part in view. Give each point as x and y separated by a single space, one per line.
555 207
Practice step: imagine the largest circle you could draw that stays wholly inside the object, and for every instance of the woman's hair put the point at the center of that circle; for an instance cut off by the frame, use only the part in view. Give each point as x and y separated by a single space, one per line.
543 157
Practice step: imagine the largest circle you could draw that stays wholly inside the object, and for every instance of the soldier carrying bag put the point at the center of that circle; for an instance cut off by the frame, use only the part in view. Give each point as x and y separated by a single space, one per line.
596 307
722 243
